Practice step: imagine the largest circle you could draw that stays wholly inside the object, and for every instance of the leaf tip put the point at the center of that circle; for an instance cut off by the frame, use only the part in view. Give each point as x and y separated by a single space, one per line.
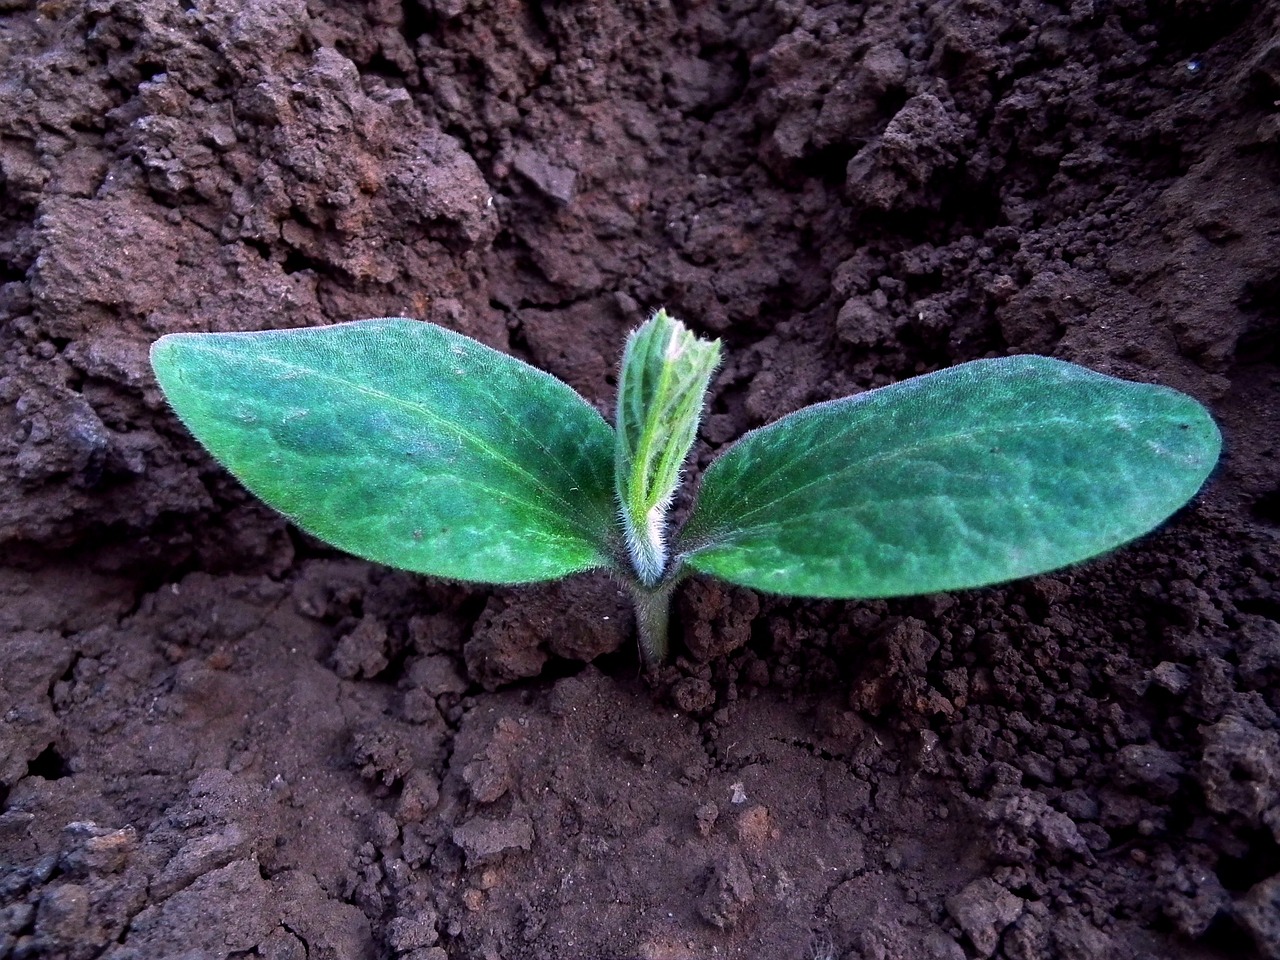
165 356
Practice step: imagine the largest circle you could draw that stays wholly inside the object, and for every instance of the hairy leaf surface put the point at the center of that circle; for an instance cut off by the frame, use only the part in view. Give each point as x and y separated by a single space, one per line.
405 443
981 473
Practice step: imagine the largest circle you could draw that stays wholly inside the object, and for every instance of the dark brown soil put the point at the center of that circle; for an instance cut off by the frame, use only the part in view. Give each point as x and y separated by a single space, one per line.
220 739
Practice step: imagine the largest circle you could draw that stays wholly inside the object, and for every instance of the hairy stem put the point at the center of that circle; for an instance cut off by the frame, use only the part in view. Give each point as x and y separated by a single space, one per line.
653 615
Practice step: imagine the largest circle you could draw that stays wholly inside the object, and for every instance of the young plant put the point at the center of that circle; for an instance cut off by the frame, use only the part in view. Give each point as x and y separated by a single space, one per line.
405 443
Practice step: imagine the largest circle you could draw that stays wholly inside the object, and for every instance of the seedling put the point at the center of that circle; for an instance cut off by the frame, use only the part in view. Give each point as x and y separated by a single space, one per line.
414 446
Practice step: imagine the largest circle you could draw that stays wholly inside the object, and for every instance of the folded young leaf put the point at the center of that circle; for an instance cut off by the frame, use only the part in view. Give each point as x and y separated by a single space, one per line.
661 389
981 473
405 443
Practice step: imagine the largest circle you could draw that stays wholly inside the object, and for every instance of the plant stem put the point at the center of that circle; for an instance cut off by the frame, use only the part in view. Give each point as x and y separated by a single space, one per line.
647 552
653 615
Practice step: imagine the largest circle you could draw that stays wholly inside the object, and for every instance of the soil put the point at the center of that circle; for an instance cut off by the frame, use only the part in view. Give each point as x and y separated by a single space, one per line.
219 738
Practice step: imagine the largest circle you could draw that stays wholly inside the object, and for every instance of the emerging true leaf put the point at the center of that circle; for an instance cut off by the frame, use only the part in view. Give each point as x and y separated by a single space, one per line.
405 443
981 473
665 372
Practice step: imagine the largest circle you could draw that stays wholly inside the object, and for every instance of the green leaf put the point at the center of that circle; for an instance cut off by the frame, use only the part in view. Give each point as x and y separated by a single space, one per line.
975 475
404 443
665 372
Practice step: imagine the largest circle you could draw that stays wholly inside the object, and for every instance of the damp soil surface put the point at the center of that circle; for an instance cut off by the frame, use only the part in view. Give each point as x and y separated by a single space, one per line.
219 738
